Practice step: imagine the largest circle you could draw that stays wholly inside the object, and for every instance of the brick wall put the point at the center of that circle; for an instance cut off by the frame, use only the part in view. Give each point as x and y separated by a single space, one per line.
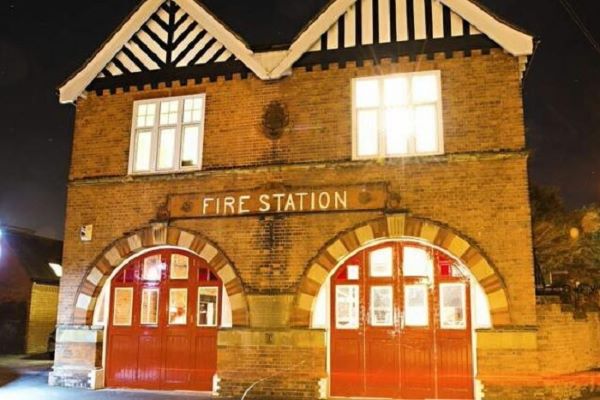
42 317
478 188
15 288
569 347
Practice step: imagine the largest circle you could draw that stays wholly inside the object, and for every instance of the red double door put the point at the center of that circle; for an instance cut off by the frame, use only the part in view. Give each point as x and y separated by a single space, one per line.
401 325
162 331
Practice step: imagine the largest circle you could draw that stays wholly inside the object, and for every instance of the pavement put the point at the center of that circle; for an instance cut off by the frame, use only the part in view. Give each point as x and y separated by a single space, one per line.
26 378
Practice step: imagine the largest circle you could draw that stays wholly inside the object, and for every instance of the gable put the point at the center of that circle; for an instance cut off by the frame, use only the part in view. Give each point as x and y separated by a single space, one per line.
170 38
371 22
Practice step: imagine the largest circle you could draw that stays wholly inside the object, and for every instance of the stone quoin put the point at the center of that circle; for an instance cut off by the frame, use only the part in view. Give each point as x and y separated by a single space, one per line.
379 245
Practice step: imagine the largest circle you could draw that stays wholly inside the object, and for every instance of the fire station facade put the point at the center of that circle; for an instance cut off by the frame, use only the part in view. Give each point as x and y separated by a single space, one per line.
347 216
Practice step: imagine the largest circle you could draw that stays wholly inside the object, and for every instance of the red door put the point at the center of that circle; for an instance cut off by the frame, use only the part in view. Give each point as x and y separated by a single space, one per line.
400 325
162 331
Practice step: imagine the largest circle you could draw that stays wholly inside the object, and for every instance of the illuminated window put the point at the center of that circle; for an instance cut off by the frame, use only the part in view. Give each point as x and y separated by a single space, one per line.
167 135
397 115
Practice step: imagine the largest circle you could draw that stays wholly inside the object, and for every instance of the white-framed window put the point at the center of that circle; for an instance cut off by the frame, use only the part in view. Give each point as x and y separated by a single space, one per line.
397 115
167 135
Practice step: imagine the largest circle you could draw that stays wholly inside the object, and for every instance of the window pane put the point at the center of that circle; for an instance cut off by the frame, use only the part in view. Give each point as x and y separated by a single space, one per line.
168 112
353 272
207 306
149 307
123 307
424 89
381 262
190 146
145 115
192 110
382 300
367 133
416 309
179 266
398 127
452 306
426 129
152 268
367 93
417 262
395 91
346 307
143 148
177 306
166 149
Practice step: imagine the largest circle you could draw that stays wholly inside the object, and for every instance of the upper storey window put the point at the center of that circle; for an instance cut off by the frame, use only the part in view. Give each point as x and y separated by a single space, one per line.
397 115
167 135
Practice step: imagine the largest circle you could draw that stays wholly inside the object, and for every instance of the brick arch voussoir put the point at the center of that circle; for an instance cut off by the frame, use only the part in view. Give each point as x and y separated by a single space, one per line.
397 226
146 238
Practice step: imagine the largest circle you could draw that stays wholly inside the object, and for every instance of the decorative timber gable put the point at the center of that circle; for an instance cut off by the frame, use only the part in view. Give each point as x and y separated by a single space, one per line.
177 40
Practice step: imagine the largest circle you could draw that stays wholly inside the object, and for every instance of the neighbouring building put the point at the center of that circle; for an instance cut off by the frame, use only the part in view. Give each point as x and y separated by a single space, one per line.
345 215
30 268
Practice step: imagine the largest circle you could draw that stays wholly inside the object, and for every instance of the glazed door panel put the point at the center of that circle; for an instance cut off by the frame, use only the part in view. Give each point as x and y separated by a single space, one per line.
164 314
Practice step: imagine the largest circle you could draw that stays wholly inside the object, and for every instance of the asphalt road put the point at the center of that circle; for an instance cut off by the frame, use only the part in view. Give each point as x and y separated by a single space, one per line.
22 379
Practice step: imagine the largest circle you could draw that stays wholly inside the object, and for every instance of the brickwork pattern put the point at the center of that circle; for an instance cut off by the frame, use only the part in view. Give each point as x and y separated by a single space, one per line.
42 317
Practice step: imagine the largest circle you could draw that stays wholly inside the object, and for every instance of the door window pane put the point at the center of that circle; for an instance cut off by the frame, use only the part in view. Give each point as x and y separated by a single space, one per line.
177 306
168 112
123 306
166 148
416 307
208 306
368 138
353 272
152 268
190 146
417 262
453 306
346 306
381 263
381 302
426 129
143 150
149 309
179 266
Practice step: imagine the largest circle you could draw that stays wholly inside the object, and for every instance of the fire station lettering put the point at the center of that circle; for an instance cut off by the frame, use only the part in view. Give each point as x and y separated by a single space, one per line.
363 197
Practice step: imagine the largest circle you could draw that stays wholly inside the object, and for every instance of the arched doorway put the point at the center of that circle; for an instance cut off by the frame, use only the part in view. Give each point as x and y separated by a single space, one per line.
164 310
400 324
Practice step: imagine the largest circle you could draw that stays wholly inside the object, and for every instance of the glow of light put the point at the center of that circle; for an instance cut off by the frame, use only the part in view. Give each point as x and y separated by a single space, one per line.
57 268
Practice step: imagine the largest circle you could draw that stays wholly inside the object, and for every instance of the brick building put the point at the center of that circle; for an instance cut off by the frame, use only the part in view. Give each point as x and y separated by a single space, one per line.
28 290
345 215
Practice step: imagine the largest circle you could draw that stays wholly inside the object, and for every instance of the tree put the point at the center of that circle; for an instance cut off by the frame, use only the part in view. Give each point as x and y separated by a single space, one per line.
565 240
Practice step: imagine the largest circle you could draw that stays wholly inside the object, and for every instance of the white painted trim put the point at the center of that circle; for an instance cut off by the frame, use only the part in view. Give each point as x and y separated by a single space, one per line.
308 38
279 63
234 44
512 40
71 90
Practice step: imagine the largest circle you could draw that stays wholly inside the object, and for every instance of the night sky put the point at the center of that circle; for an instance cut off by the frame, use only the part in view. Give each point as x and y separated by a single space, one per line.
42 43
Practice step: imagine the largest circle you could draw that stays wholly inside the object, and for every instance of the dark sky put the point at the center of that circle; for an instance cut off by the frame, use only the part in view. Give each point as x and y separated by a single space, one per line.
43 42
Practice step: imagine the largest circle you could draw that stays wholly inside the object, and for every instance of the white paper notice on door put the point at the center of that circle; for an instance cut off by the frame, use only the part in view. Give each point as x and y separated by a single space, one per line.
382 306
346 307
123 306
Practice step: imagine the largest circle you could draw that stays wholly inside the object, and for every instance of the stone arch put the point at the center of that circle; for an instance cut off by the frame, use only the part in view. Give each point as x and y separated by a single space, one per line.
146 238
398 226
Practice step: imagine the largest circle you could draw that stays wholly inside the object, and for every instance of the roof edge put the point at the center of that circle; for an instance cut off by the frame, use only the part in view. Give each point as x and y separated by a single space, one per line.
514 40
